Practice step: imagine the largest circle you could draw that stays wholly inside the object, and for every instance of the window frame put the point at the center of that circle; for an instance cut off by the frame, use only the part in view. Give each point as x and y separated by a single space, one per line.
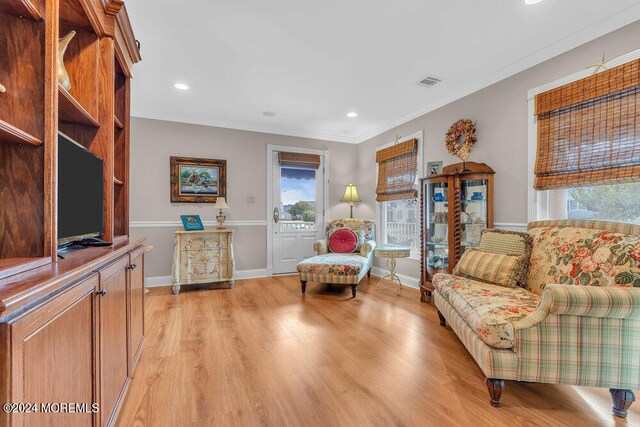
381 207
538 201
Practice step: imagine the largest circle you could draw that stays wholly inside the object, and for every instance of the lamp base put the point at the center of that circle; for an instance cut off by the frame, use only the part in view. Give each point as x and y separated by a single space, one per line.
221 219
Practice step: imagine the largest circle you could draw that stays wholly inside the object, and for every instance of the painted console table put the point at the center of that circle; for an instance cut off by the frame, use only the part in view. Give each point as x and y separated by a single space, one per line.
204 256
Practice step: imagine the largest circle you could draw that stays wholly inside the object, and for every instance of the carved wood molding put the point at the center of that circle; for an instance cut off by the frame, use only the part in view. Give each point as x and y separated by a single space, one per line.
127 31
112 7
102 23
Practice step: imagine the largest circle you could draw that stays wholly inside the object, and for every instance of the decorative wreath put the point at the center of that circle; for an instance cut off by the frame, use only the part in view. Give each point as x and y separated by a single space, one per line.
456 144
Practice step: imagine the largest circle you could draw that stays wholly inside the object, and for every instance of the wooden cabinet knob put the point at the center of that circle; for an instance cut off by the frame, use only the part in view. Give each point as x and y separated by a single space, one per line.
2 88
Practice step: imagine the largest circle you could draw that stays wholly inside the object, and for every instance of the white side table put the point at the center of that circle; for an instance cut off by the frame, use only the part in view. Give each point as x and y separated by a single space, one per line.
203 256
392 253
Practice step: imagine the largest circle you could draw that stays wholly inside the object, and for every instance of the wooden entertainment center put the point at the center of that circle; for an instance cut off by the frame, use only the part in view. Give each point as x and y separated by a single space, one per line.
71 330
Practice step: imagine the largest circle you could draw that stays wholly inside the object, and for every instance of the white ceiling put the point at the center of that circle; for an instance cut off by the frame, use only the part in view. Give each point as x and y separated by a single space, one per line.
312 62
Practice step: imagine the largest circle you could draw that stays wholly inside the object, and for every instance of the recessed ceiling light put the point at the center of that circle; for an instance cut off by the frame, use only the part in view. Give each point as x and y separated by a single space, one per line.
268 114
181 86
532 1
352 115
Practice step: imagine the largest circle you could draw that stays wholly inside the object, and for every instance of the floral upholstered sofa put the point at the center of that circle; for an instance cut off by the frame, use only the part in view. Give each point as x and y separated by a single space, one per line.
340 268
577 323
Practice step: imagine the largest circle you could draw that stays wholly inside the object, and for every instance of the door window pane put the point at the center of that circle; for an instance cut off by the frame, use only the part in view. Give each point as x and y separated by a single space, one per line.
297 199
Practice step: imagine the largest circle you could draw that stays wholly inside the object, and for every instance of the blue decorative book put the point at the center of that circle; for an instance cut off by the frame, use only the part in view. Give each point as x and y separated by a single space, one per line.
192 222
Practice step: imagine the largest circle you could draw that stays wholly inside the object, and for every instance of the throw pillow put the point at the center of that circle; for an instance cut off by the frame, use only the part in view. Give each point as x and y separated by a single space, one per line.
343 241
361 239
488 267
509 243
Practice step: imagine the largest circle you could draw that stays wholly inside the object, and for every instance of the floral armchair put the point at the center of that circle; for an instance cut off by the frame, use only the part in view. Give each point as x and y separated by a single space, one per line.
577 323
338 268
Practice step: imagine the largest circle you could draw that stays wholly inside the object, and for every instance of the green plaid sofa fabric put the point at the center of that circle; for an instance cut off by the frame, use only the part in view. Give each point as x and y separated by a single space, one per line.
489 267
580 350
578 335
616 227
609 301
495 363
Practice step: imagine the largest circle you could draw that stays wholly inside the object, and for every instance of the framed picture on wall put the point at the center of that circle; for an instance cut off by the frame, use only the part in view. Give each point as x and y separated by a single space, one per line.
196 180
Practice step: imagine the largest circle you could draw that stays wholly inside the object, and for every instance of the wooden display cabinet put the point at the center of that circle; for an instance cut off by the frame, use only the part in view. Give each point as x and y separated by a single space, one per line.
454 208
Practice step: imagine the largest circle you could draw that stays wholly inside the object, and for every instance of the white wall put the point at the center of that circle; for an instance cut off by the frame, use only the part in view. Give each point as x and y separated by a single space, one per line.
501 113
154 141
499 110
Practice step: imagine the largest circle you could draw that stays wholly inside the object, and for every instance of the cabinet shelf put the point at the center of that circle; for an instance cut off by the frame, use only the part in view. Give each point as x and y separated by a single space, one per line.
117 122
21 8
71 111
13 135
11 266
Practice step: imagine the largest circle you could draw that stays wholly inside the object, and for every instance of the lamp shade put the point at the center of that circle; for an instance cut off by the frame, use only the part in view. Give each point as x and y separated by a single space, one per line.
351 194
221 203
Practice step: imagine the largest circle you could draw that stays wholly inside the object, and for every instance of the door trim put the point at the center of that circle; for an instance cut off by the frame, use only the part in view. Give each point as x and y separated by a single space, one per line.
271 148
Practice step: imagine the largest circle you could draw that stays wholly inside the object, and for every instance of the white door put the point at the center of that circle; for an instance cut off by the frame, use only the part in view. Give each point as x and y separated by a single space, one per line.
298 209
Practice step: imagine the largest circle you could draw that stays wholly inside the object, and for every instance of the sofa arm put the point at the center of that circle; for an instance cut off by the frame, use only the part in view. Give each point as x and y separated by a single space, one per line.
590 301
367 247
320 246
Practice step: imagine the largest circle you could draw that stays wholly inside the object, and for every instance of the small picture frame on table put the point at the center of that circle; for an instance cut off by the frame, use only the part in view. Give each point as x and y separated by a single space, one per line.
192 222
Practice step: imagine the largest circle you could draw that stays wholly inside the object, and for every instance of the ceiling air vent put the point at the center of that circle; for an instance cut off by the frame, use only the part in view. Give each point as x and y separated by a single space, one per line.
429 81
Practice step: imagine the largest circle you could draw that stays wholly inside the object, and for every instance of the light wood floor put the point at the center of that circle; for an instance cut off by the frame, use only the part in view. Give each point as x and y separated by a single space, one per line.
264 354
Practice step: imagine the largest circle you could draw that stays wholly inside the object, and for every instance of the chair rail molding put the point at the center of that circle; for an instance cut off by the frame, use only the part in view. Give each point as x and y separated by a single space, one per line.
512 226
168 224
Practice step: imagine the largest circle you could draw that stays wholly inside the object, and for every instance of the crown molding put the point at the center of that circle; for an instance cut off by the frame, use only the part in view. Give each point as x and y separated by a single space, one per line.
261 129
173 224
575 40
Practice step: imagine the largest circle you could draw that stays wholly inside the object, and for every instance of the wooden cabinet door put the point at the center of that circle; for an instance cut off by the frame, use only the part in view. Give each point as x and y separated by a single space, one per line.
53 354
113 337
136 303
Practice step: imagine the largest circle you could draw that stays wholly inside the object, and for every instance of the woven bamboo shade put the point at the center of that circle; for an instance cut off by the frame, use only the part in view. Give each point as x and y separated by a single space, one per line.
589 131
397 167
303 160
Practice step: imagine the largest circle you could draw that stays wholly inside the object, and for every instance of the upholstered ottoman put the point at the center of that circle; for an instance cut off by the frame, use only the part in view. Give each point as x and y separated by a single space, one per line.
344 269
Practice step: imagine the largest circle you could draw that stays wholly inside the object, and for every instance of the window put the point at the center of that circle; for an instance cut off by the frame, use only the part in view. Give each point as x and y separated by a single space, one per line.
584 140
614 202
397 219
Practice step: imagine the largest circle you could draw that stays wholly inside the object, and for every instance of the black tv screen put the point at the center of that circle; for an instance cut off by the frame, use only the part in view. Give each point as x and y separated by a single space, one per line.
80 191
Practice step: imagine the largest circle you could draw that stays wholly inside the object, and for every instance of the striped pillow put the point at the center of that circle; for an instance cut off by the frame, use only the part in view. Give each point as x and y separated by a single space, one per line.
509 243
489 267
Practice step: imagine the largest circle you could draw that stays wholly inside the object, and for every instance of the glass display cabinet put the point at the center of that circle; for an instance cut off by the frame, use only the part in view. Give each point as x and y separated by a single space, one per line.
455 207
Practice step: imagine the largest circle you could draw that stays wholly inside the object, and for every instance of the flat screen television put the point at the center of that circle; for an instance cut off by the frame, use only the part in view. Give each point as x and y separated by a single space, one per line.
80 192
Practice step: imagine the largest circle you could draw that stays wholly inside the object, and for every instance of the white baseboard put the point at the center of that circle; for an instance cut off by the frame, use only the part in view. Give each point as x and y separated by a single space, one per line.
409 281
153 282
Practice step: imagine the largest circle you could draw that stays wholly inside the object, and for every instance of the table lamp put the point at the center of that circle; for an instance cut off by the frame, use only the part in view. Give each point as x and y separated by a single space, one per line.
351 196
221 204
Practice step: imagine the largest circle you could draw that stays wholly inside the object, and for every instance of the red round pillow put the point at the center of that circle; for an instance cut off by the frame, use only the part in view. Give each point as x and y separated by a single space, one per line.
343 241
